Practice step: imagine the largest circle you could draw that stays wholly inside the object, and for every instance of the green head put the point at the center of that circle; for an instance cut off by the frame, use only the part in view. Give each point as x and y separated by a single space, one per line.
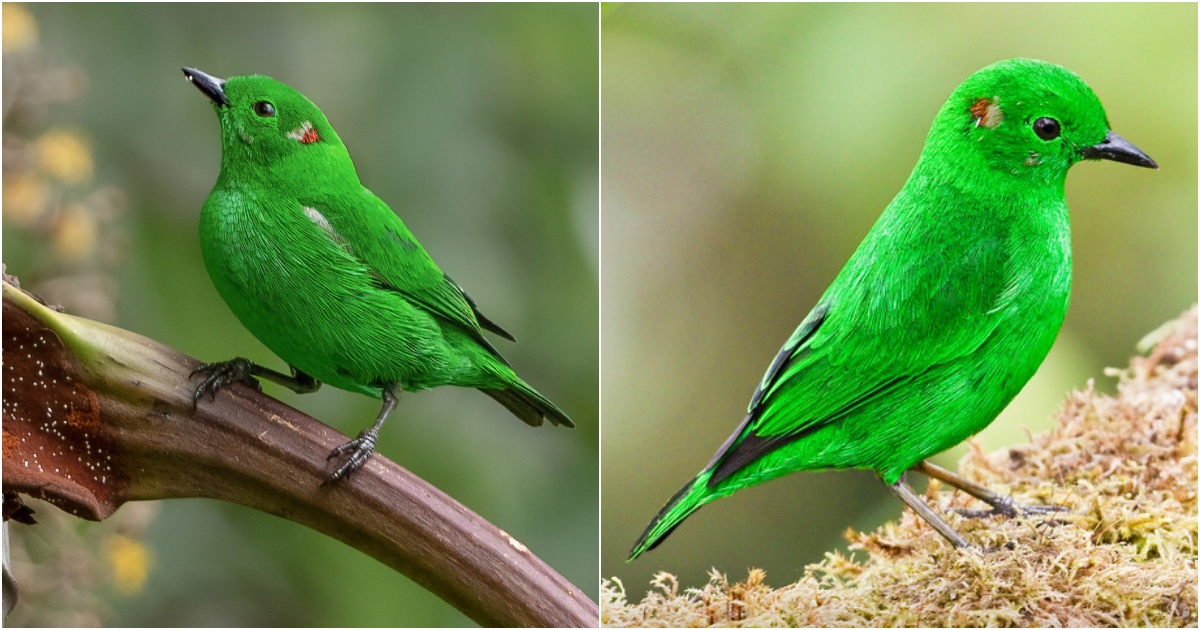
268 123
1028 119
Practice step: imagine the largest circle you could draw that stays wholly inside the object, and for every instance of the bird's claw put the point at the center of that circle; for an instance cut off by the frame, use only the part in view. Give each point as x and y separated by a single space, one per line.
360 449
218 375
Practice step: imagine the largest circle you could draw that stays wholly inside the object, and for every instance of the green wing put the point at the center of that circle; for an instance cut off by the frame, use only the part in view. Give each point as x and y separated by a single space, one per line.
369 231
894 313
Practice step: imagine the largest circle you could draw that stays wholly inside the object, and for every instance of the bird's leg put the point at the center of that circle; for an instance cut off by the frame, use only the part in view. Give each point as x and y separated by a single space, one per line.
910 498
219 374
361 447
1001 504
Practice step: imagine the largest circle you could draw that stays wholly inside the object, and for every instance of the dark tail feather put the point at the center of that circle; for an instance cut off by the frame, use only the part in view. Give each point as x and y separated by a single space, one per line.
689 499
529 406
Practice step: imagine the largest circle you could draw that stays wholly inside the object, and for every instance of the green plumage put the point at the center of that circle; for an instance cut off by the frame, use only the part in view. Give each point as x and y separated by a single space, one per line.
325 274
946 309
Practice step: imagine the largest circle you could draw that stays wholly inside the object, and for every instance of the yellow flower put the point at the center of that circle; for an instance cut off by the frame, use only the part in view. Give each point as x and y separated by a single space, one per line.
25 198
130 562
64 154
75 234
20 29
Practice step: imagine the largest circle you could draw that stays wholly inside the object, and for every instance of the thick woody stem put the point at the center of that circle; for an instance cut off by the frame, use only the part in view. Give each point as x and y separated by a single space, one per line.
95 416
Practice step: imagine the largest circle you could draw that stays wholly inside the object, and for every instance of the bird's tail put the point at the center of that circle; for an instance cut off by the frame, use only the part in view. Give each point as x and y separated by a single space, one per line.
689 499
497 379
528 405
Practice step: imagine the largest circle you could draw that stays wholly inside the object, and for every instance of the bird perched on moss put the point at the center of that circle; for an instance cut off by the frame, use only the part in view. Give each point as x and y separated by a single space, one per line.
943 313
327 276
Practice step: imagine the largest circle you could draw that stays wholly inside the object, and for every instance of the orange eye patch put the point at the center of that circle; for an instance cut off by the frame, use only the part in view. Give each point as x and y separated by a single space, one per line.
304 134
986 112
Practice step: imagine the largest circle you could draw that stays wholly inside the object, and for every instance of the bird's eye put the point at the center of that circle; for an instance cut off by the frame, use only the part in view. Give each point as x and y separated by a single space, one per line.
267 110
1046 128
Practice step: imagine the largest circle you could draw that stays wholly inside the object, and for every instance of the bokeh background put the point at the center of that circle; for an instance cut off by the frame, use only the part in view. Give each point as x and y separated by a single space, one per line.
748 149
477 124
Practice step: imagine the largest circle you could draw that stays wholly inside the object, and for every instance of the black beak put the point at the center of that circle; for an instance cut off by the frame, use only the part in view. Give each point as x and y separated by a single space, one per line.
213 87
1118 149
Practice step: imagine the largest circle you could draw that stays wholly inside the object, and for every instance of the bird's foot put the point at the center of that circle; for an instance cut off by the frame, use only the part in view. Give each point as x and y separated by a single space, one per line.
1005 506
360 449
218 375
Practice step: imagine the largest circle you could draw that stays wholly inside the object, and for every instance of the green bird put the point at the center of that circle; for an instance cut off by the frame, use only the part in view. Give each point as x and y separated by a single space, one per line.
327 276
945 310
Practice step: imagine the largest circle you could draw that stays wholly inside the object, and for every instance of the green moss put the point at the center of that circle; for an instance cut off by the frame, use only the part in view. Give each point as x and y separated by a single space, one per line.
1125 554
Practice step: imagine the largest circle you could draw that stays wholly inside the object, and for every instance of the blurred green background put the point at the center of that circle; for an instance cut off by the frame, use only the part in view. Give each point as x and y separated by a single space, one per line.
476 123
748 149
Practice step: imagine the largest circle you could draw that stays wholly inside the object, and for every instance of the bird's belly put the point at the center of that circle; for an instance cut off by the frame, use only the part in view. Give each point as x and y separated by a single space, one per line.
951 402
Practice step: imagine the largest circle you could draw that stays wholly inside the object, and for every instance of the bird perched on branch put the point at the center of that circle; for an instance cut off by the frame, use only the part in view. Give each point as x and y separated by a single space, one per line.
327 276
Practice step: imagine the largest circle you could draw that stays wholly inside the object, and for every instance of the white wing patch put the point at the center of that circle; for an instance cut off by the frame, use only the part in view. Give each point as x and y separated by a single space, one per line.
315 216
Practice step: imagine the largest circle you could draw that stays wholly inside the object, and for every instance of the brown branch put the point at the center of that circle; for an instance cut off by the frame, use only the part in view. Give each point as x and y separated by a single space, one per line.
95 416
